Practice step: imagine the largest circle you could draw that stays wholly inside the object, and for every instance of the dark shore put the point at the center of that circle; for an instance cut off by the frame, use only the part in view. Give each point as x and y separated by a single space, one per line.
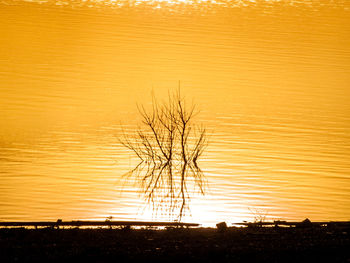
262 244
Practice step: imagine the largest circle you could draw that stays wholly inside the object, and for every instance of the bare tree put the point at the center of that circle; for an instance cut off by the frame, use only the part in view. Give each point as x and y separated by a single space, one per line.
168 144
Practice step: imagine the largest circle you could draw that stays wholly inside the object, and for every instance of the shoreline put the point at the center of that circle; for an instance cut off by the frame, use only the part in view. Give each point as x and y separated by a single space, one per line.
159 225
230 244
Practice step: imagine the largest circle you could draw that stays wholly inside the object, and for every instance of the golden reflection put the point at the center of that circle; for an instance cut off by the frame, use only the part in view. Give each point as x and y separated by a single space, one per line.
272 83
167 3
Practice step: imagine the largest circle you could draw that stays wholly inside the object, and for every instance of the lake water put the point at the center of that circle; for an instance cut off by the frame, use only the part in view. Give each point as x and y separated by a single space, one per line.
271 80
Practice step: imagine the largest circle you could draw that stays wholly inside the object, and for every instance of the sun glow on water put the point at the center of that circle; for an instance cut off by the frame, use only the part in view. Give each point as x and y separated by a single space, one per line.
163 3
121 3
271 79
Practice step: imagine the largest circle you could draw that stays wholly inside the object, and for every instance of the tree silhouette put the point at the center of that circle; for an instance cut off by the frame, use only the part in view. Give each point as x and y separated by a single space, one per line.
168 144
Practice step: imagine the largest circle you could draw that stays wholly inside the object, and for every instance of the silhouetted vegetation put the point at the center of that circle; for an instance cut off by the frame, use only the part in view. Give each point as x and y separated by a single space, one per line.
168 144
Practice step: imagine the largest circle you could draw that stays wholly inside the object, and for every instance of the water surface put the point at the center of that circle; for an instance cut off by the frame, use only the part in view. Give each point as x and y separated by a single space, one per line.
271 79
